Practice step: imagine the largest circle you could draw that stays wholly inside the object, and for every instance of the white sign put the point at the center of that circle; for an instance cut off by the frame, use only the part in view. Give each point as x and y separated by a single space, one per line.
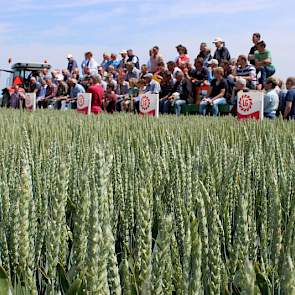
84 103
30 101
149 104
250 105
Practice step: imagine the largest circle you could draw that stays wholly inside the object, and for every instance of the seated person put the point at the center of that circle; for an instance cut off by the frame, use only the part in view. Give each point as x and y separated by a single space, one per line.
49 95
75 89
133 91
158 75
289 112
180 93
62 92
271 98
199 74
167 85
216 93
110 99
263 62
240 85
246 71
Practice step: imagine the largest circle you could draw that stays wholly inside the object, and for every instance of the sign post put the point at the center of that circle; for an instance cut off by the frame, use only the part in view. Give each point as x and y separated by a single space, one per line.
30 101
84 103
149 104
250 105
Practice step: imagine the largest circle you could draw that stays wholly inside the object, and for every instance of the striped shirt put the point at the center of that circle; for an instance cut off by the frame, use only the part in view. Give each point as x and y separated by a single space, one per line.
248 70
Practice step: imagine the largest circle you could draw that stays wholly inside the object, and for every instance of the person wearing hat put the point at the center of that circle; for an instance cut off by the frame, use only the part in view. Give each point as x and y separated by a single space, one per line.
221 52
151 85
212 65
133 58
72 64
62 91
271 98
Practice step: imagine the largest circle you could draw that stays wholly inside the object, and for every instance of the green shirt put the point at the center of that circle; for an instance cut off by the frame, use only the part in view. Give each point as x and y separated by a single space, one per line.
263 56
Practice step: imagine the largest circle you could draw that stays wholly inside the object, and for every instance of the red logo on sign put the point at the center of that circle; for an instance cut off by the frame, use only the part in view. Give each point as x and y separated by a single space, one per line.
145 102
81 101
245 103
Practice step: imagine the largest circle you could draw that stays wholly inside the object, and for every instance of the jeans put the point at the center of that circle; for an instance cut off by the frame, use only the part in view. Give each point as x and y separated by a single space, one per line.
271 115
165 106
265 72
177 105
216 103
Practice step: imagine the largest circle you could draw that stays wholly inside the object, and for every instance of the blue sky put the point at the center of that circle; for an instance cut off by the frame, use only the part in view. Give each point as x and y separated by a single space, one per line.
32 30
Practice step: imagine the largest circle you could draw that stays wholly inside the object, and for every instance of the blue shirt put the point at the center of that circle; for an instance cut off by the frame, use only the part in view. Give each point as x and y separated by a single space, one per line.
290 96
153 87
76 90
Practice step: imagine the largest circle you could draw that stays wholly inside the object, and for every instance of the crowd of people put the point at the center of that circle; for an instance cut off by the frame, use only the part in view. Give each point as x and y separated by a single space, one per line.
210 79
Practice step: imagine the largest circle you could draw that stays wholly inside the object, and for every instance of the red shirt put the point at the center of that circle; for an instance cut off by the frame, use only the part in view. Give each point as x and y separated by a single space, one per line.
97 97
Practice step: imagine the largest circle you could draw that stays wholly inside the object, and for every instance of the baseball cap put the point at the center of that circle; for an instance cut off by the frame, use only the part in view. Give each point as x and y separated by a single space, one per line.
69 55
218 39
148 75
123 51
60 77
213 62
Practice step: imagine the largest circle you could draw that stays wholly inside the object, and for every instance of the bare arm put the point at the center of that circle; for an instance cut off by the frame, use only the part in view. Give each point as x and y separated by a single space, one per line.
287 109
220 95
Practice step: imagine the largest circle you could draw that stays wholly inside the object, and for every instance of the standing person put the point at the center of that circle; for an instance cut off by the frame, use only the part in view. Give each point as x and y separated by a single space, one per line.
97 94
221 52
263 62
124 58
205 53
289 112
255 39
132 58
271 98
42 92
90 63
183 56
155 59
216 93
16 98
72 64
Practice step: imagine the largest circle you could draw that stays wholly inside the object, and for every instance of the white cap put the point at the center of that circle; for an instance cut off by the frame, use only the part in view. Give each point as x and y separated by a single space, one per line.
213 62
123 51
69 55
218 39
59 77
